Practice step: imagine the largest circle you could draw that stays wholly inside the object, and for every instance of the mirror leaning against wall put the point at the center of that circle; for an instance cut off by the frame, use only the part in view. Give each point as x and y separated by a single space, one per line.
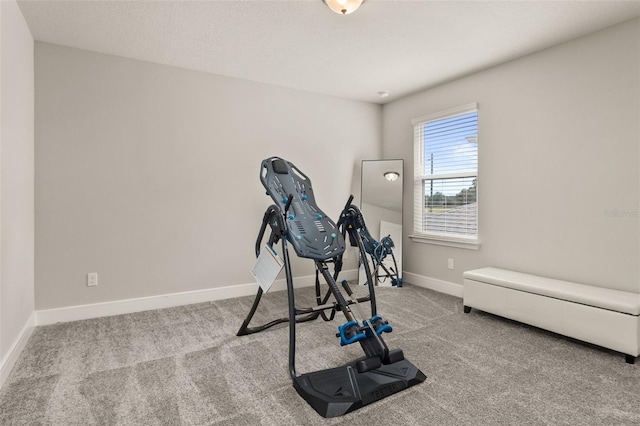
381 206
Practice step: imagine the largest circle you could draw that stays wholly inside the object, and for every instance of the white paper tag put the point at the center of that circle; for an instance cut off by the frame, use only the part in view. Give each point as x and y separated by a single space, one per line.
267 267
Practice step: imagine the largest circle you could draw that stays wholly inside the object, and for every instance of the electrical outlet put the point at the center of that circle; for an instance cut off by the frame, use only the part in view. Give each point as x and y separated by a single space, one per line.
450 264
92 279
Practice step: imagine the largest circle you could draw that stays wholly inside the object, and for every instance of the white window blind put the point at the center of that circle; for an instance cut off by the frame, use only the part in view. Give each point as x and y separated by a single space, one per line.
446 174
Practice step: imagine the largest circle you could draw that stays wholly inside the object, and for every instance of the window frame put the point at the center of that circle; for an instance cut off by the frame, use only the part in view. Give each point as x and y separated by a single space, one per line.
438 238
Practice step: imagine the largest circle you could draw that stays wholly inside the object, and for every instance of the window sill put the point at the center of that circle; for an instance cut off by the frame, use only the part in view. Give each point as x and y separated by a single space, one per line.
464 243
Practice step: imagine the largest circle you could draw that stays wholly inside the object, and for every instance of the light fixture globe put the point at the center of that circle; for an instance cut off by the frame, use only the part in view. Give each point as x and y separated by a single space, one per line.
343 7
391 176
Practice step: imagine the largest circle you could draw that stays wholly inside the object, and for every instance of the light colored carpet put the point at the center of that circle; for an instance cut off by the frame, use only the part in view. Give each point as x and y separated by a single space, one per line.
186 366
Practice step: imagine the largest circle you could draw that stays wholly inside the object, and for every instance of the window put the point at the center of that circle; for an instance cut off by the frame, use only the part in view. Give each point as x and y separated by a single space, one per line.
446 177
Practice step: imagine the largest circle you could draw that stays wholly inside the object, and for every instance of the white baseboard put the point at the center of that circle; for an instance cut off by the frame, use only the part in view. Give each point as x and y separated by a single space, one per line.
7 363
127 306
434 284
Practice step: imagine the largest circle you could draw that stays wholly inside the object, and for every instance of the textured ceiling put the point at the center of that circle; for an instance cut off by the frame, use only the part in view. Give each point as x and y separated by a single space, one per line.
396 46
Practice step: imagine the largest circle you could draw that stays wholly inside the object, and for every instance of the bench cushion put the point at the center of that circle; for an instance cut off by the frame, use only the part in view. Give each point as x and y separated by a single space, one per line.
613 300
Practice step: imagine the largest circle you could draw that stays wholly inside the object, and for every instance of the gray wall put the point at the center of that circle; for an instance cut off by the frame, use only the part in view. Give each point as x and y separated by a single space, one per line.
148 174
373 216
558 148
16 176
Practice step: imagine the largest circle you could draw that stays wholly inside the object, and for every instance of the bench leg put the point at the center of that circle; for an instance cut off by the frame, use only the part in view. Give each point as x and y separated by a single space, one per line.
467 309
630 359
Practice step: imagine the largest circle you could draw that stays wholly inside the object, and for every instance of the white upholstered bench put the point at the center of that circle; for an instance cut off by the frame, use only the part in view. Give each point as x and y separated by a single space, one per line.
605 317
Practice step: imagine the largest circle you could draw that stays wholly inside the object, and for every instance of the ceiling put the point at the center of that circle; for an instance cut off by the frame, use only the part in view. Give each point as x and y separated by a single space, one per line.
397 46
376 189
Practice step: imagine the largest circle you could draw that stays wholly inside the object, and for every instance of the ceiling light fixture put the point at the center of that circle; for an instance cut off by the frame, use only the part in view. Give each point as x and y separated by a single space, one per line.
391 176
343 7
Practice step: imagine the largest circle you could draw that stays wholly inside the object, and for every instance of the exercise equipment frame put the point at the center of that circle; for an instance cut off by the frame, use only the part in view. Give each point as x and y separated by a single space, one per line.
295 219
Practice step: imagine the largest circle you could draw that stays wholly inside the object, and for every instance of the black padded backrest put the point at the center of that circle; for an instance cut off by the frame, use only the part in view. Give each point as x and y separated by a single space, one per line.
312 234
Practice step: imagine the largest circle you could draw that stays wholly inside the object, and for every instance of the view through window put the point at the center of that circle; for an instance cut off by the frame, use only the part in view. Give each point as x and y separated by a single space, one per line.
446 174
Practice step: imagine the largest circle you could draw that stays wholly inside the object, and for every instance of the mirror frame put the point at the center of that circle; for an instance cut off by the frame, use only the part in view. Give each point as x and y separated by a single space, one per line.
372 181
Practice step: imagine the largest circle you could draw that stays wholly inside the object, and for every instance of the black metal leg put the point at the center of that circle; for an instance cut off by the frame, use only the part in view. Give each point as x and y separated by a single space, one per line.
292 311
630 359
467 309
367 271
245 324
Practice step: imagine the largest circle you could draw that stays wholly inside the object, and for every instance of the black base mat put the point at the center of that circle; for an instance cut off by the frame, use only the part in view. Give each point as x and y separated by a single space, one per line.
340 390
